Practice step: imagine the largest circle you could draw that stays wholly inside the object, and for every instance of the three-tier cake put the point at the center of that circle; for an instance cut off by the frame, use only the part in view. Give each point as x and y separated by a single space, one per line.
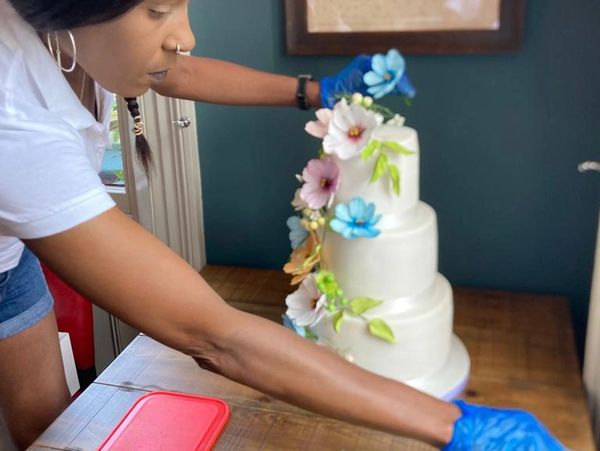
365 253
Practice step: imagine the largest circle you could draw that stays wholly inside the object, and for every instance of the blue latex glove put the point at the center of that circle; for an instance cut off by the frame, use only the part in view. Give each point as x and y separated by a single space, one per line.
376 76
486 429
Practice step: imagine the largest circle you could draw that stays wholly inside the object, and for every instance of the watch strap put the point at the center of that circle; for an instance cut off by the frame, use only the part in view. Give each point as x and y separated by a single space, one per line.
301 97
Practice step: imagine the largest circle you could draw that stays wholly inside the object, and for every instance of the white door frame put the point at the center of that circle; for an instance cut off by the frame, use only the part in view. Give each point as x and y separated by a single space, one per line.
169 204
591 366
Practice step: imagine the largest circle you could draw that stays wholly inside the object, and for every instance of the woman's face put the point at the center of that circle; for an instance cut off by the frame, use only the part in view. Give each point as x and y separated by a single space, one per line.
130 53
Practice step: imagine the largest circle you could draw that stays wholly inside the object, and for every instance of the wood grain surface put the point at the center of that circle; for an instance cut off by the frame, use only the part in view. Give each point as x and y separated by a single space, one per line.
522 353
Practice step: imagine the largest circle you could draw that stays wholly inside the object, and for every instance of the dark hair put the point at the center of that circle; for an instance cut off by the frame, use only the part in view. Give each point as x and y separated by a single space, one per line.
141 144
55 15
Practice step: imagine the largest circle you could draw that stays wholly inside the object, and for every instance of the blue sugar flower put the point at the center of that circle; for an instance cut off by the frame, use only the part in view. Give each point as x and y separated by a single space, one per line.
290 324
388 75
355 219
298 233
405 87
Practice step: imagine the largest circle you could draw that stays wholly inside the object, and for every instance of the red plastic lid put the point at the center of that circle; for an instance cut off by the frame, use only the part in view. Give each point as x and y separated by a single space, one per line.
169 421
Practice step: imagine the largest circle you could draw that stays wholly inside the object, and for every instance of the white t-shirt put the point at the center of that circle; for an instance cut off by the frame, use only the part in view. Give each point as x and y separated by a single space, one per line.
51 147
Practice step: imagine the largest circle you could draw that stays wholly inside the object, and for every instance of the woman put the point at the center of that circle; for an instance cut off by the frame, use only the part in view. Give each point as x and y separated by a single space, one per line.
57 59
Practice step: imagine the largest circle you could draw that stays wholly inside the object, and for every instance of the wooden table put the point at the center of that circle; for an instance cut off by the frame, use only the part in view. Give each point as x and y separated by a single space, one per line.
522 354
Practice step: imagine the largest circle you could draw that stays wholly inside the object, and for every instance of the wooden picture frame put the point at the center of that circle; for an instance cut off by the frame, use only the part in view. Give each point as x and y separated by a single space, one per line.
506 38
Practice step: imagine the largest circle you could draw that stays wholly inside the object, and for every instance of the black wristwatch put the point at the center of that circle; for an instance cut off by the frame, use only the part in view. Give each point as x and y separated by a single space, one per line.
301 97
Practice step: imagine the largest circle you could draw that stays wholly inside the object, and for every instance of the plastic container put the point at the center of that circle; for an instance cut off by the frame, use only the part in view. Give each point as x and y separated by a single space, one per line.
169 421
74 316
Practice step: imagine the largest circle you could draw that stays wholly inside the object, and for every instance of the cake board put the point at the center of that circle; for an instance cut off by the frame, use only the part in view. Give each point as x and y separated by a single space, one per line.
450 380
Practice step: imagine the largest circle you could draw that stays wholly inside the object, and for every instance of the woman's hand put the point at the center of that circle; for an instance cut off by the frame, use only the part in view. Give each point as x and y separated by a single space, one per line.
484 428
376 76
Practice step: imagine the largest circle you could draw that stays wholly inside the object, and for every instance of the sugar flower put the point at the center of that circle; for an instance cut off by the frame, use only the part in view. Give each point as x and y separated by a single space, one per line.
319 128
388 74
298 203
405 87
304 258
290 324
321 181
306 305
397 120
313 219
359 99
298 232
355 219
350 130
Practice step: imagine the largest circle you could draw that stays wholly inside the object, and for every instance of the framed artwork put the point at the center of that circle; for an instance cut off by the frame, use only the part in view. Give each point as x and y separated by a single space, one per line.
348 27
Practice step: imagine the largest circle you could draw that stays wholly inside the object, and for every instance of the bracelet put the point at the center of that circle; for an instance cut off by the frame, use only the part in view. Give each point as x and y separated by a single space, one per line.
301 97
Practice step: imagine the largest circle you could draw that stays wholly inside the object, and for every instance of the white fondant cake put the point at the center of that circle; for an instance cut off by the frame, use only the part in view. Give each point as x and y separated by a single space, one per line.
422 325
356 174
406 255
365 254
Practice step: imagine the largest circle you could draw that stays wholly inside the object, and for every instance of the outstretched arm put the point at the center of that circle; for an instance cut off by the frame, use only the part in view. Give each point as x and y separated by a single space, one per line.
129 273
215 81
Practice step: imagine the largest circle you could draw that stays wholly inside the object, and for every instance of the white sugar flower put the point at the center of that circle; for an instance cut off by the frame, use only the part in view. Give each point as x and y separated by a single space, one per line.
397 120
350 130
318 128
306 305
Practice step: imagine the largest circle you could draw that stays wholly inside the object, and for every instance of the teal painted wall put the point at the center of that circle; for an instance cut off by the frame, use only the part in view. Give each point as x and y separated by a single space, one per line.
501 137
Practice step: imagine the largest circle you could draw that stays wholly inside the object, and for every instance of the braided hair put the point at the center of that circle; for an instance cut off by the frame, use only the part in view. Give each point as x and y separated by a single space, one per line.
141 144
57 15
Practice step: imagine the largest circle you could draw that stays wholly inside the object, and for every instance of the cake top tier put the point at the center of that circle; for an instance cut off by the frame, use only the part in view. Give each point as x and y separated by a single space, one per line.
389 179
363 156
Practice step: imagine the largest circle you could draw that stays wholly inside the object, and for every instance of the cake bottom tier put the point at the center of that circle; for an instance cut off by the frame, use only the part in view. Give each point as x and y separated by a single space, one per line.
422 327
450 380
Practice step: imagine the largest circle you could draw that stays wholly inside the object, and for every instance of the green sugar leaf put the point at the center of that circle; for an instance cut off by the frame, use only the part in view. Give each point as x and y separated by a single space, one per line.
371 148
380 168
385 112
395 176
398 148
362 305
337 320
308 333
380 329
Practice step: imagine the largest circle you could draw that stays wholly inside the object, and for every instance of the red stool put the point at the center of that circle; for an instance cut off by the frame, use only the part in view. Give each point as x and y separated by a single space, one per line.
74 315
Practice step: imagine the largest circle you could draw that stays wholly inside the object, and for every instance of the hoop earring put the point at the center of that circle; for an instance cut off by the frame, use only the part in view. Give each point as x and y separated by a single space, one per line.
58 54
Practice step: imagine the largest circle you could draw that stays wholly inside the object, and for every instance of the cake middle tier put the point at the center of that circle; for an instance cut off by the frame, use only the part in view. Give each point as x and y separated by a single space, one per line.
397 263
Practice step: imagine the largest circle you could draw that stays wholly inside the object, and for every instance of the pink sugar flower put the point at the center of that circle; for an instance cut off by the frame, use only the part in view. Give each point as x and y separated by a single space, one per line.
321 181
320 127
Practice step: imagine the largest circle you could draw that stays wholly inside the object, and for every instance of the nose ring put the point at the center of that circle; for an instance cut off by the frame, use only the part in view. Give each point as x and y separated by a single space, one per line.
178 48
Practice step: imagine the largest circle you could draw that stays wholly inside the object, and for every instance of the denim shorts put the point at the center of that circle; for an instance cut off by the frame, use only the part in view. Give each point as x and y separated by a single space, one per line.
24 296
